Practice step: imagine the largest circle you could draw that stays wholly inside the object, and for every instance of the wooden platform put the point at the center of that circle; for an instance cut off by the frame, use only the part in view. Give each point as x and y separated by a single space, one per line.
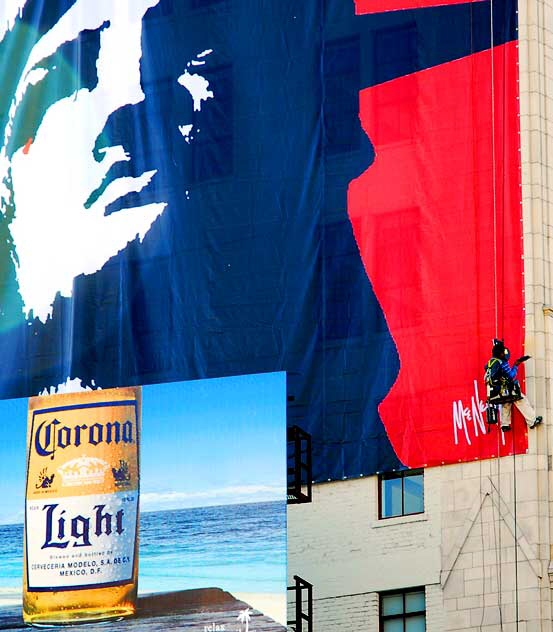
201 610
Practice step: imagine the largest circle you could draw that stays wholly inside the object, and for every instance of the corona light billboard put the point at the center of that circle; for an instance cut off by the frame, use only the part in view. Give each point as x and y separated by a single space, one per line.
146 501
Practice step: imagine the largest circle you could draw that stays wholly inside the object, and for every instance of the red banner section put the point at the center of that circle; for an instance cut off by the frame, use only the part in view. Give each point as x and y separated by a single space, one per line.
381 6
437 218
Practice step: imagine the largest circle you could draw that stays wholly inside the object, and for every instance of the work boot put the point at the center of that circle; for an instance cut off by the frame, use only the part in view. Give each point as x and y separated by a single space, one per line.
536 421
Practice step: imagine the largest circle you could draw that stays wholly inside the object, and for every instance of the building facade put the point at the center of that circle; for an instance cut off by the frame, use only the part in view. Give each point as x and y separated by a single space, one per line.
479 554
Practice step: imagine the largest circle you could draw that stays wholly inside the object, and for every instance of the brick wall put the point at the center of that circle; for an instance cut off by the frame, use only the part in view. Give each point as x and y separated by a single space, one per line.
338 541
338 544
350 613
462 548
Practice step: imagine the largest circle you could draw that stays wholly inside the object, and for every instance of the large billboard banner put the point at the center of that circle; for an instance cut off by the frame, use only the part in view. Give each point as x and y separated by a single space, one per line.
210 188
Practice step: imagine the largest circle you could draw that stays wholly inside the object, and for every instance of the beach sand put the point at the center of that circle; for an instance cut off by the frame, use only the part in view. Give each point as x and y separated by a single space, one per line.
273 605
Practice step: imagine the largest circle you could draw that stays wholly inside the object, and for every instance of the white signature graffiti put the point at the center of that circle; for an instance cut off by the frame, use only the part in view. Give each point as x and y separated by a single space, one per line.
475 413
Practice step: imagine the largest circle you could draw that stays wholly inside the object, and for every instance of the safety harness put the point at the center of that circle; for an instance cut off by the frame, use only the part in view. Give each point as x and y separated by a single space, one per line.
499 389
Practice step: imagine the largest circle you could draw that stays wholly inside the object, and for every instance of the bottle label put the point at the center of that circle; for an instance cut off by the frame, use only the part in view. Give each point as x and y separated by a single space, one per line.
81 541
82 490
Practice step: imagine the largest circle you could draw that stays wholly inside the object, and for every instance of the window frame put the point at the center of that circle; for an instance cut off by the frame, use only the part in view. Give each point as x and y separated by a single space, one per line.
382 618
402 474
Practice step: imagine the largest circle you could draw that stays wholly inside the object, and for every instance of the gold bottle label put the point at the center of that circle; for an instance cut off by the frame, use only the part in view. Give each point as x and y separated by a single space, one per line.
82 491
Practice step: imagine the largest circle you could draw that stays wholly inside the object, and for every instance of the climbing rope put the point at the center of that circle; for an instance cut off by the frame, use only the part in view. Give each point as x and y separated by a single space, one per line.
494 196
499 334
515 534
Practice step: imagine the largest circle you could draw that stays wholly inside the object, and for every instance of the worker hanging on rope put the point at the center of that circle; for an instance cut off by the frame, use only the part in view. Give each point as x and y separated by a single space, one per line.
503 388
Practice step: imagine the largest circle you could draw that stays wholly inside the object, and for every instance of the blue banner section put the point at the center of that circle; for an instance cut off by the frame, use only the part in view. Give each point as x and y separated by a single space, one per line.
174 181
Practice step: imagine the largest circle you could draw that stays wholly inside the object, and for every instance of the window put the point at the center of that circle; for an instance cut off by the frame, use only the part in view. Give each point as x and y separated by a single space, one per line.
345 316
341 82
403 611
396 51
401 493
396 56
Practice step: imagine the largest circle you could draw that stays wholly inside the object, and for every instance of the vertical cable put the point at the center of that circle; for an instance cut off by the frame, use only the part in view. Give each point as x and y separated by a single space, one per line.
483 546
496 309
515 528
475 209
498 553
493 172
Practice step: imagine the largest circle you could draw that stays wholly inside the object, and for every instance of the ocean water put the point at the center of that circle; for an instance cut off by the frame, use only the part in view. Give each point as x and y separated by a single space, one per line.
240 548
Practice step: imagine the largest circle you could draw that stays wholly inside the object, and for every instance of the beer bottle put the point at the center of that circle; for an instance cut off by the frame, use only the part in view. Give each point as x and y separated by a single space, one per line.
81 514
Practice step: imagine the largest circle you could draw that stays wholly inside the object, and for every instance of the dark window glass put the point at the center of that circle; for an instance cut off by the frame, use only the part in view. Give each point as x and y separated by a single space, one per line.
401 493
394 625
341 104
403 611
344 315
212 149
396 51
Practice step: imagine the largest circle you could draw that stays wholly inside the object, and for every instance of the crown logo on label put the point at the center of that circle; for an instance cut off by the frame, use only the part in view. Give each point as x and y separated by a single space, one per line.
121 475
85 470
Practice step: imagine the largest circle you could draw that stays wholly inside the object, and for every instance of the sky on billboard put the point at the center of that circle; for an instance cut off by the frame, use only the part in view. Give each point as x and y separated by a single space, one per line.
204 442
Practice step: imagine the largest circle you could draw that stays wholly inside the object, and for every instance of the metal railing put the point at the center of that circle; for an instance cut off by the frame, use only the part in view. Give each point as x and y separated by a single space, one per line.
303 621
299 466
